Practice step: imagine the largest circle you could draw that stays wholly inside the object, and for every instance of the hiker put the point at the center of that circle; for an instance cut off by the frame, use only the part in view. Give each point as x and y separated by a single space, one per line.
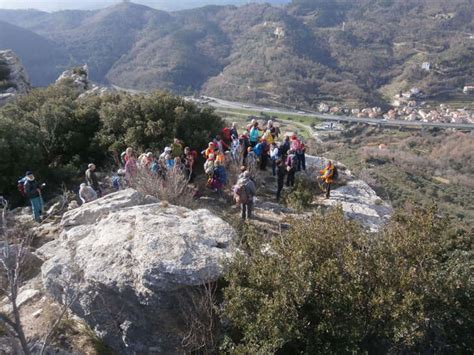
233 130
235 149
141 160
219 179
281 172
117 180
148 160
244 193
254 135
220 145
274 156
285 147
176 148
301 154
125 155
245 145
189 158
162 167
87 193
211 149
251 158
92 180
268 137
169 161
291 165
251 124
275 131
264 154
178 164
226 135
130 169
298 148
209 166
328 175
33 192
167 151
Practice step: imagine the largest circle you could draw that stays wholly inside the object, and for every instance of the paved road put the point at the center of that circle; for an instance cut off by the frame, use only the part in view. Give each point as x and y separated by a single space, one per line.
224 104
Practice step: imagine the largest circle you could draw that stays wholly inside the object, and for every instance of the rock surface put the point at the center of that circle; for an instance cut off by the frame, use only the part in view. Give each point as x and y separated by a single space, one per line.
18 77
79 78
357 199
129 259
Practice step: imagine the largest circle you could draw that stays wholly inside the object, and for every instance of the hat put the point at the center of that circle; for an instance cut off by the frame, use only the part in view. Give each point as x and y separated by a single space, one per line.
168 149
82 185
28 173
90 165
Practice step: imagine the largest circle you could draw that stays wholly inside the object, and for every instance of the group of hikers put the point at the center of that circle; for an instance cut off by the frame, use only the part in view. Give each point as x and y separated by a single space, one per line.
253 149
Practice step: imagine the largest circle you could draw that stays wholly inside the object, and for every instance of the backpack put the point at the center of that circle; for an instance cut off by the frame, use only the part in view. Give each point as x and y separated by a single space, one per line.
116 183
293 162
240 194
21 186
335 173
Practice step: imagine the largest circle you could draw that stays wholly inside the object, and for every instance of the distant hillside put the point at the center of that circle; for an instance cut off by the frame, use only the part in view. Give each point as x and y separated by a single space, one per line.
310 50
43 59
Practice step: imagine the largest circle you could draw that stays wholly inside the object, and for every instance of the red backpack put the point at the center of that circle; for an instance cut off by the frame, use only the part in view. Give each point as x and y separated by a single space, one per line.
21 186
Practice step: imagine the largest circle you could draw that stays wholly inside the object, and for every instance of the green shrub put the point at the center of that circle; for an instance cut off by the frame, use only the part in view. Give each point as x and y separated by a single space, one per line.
301 196
55 134
327 286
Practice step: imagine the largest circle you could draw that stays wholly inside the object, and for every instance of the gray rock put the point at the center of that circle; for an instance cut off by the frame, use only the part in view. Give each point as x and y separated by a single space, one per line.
361 203
18 75
357 199
24 296
130 259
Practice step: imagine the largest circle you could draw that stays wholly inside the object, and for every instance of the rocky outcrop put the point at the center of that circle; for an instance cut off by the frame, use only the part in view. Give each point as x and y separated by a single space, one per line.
18 81
356 198
130 259
79 78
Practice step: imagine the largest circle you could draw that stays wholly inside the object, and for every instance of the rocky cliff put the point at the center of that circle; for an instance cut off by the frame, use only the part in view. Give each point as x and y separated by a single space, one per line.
130 260
78 78
15 79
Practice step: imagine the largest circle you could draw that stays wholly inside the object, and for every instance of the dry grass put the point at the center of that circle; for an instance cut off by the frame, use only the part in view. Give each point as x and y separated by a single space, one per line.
174 188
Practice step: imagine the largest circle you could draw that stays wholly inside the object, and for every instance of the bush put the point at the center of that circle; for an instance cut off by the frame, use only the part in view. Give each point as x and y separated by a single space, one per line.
327 286
173 189
302 194
55 134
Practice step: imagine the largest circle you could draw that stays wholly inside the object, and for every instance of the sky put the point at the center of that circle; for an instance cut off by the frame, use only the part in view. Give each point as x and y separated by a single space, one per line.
56 5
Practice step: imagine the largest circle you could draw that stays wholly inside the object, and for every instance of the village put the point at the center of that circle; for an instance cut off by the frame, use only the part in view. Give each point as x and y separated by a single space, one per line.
408 106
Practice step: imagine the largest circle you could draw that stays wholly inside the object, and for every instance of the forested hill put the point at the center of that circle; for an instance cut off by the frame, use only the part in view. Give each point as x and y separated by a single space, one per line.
308 51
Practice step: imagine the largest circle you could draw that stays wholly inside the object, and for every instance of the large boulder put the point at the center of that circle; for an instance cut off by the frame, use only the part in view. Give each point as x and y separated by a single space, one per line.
356 198
130 259
18 82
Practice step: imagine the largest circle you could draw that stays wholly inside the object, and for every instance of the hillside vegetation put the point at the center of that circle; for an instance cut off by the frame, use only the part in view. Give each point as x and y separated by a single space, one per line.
406 167
305 52
53 133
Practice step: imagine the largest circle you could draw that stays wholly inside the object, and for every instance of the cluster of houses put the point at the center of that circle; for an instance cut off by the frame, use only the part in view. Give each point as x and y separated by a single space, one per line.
407 106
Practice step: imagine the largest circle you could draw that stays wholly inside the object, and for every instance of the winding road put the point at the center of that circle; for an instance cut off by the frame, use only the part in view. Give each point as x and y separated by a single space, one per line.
224 104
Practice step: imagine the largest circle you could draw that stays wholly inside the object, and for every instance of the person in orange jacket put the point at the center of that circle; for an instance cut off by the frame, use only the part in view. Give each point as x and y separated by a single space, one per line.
210 150
327 177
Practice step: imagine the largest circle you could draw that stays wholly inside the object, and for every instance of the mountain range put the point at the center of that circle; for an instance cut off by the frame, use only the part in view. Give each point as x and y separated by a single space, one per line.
353 51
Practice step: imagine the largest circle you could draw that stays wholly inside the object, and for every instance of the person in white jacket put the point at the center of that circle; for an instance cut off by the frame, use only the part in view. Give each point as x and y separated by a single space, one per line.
274 156
87 193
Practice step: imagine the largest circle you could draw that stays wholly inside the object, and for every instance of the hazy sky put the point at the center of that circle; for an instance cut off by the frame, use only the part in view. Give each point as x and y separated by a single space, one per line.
55 5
